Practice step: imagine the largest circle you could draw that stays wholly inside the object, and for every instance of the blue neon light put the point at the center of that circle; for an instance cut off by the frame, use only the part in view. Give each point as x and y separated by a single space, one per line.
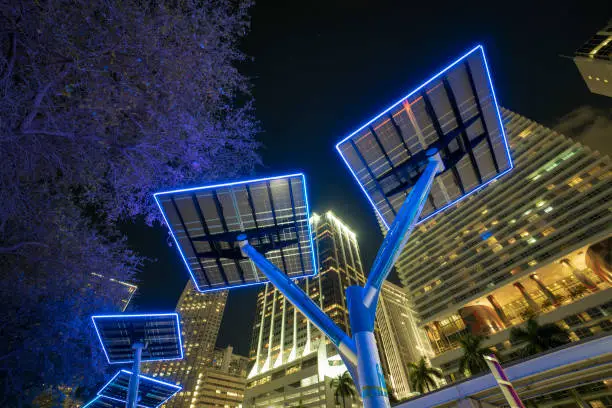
234 183
141 377
122 316
424 84
98 398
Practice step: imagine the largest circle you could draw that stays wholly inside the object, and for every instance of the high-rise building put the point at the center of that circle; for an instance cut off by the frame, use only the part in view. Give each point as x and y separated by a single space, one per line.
293 362
225 360
200 321
537 241
594 61
402 338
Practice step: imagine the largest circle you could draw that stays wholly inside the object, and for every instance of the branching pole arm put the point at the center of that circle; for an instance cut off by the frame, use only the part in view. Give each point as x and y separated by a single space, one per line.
301 301
400 230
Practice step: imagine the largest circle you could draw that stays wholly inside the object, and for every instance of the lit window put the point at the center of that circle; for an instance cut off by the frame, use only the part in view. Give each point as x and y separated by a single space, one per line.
597 78
606 81
550 187
548 209
512 240
540 203
533 262
590 77
524 133
548 231
574 181
512 221
527 212
524 234
531 240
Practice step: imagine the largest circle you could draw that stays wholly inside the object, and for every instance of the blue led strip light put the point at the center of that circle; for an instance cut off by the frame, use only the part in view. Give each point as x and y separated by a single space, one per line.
123 316
229 184
478 48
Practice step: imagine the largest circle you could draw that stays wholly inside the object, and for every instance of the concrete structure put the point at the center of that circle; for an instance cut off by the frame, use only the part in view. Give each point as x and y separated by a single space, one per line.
218 388
200 320
538 241
578 374
290 356
594 61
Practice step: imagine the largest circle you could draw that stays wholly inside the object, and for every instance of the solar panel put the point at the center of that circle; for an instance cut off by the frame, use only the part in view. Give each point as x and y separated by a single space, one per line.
454 112
151 392
273 213
102 402
161 333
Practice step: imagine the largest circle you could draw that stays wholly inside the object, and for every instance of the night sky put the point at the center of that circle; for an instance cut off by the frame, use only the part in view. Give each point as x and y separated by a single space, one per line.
323 68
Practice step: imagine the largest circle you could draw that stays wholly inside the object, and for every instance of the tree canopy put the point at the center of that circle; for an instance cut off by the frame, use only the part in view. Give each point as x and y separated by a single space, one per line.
102 103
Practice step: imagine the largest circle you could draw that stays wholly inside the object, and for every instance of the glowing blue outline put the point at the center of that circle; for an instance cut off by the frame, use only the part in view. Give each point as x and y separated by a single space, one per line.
140 378
98 398
501 125
234 183
178 325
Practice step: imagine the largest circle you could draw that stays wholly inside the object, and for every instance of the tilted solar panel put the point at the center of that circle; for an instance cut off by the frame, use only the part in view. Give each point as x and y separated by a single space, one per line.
455 113
161 334
151 392
273 213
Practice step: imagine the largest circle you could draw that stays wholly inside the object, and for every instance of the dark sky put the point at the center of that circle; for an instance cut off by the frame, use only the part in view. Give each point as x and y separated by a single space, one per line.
322 68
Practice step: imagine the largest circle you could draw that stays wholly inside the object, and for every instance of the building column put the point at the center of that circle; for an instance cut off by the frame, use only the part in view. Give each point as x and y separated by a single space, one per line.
498 309
441 333
551 296
532 304
581 277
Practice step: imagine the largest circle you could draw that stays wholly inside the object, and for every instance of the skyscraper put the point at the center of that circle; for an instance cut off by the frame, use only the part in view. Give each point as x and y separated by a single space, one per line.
402 340
200 321
293 362
594 61
535 242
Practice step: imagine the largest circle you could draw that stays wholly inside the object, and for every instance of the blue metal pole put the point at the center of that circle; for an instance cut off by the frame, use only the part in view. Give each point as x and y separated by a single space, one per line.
398 234
369 370
301 300
132 397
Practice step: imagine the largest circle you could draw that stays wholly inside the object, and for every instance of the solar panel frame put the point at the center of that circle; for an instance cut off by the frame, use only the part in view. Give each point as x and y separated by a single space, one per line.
152 393
455 111
205 221
103 402
161 331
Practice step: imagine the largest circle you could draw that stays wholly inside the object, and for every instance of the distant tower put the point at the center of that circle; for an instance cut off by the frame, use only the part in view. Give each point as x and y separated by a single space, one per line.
594 61
200 321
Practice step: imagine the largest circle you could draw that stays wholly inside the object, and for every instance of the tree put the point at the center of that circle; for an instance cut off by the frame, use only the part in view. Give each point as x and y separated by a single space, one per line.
343 387
472 361
102 103
422 377
538 338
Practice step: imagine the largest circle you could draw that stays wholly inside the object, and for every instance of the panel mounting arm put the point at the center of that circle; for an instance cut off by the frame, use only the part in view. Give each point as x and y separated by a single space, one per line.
400 230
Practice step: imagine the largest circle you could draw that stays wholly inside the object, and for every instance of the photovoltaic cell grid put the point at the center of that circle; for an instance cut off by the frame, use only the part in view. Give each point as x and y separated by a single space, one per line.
160 332
102 402
151 392
456 113
273 213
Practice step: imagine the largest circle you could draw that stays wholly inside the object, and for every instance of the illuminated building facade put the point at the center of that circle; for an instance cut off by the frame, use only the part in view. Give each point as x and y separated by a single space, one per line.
537 241
403 341
291 354
200 321
594 61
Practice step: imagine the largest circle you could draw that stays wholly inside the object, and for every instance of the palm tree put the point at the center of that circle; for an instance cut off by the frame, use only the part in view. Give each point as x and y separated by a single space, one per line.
538 338
343 386
422 376
473 351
